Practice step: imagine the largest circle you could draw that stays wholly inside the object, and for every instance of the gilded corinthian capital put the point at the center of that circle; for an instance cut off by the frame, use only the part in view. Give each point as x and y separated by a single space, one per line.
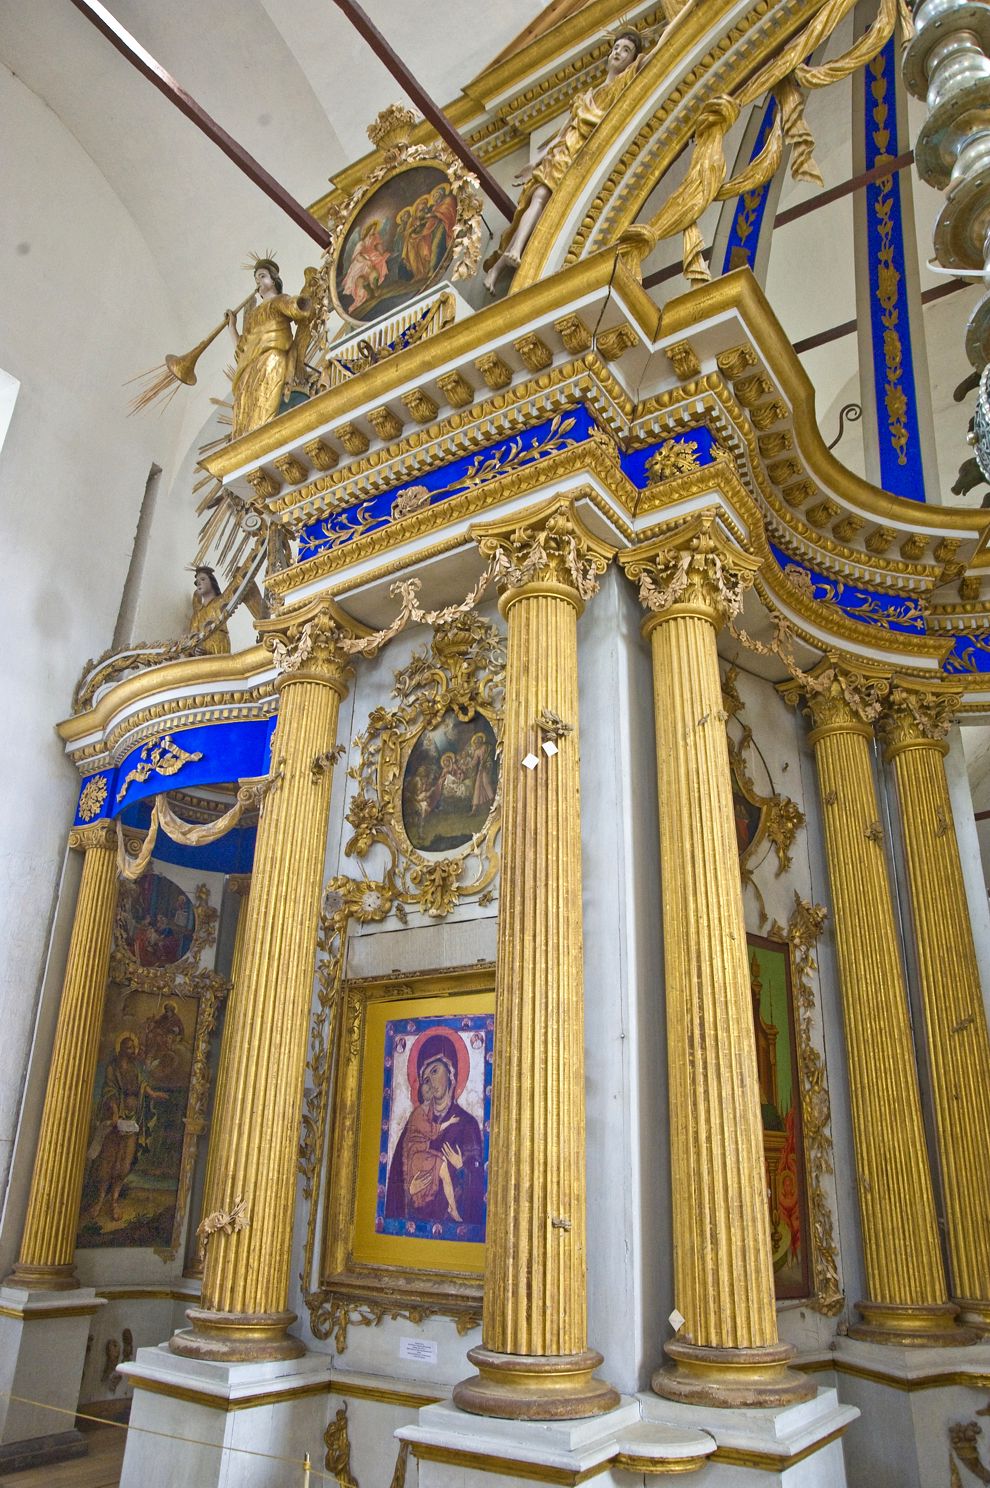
309 642
547 546
694 569
917 715
840 697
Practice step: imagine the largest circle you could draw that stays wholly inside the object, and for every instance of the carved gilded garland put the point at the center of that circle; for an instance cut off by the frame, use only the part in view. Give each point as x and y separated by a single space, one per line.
457 681
801 935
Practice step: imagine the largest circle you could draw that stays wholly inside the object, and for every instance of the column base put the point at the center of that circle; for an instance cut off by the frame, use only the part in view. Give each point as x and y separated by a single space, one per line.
974 1314
249 1424
910 1399
237 1337
453 1450
731 1378
43 1278
535 1387
797 1445
42 1354
935 1325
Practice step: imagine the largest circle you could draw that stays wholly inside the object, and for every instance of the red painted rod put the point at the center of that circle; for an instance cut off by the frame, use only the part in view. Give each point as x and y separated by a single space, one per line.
366 27
165 83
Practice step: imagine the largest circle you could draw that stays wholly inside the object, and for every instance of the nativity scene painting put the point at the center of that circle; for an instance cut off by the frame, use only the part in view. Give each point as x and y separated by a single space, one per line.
398 244
436 1107
449 784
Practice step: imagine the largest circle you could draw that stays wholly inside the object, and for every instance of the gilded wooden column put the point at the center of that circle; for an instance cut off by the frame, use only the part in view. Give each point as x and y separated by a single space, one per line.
243 1312
49 1240
914 726
908 1301
534 1361
727 1352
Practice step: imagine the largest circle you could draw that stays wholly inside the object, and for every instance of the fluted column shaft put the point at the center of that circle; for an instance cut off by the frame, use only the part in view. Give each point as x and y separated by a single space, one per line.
49 1239
723 1269
534 1360
259 1092
907 1299
955 1019
727 1351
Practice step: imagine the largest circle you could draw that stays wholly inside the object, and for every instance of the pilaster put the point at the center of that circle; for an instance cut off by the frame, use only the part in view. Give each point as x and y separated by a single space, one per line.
48 1243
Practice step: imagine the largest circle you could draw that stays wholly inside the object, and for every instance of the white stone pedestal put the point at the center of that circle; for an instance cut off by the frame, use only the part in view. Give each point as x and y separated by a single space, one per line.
792 1446
908 1399
243 1424
42 1354
457 1450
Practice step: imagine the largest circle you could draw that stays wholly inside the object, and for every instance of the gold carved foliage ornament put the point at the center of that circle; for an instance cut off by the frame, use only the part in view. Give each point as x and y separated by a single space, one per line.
428 774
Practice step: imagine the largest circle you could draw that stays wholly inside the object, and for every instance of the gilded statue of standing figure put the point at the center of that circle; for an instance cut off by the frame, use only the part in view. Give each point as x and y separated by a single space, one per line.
208 605
542 178
267 355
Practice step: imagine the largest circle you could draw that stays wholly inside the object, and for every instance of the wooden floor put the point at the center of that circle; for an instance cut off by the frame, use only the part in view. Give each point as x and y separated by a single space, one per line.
100 1469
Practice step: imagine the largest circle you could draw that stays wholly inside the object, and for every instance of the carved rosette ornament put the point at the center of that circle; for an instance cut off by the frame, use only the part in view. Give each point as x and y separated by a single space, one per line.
727 1351
914 726
907 1299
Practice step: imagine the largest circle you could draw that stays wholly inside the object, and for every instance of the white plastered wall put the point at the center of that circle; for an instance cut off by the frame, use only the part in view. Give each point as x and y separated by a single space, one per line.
84 308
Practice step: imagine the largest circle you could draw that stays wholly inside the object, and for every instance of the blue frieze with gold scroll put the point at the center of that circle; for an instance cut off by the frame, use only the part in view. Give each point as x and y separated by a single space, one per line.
566 429
209 754
970 654
749 210
902 612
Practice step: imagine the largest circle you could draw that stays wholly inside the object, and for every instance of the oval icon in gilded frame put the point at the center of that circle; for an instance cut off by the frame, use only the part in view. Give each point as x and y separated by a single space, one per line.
449 784
398 243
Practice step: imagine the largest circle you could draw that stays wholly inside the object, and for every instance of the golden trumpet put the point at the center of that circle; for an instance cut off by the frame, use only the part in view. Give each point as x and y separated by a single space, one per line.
183 367
164 382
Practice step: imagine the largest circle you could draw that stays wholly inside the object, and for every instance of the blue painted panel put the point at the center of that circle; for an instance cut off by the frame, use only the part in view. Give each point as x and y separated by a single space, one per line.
547 438
871 607
896 391
970 654
750 209
229 751
232 853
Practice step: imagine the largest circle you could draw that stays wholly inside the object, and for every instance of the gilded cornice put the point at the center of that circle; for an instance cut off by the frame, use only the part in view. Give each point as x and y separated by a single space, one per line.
824 626
586 379
740 292
451 348
172 680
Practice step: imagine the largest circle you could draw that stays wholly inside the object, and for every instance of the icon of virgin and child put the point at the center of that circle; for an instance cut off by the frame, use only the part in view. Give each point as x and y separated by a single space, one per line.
398 243
436 1175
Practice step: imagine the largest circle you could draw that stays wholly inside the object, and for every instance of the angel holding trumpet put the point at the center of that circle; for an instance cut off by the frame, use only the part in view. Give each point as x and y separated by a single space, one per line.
269 349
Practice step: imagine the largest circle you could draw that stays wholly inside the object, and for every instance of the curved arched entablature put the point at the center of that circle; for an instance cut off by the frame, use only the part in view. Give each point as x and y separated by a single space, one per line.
727 56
